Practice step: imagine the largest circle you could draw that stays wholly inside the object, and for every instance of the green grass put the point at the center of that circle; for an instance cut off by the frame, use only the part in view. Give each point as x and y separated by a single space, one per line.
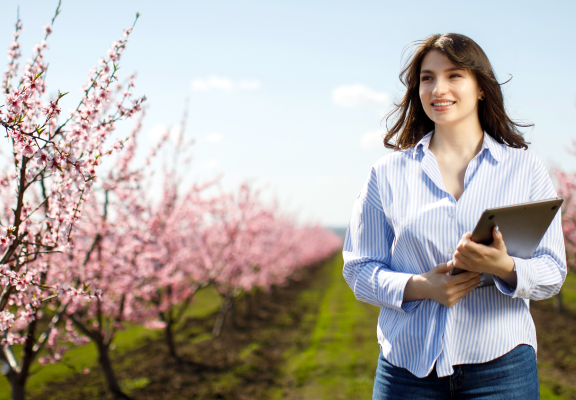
333 355
340 359
546 393
77 358
569 300
569 292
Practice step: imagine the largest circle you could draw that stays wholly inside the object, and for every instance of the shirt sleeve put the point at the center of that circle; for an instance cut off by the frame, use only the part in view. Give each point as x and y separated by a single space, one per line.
367 254
541 276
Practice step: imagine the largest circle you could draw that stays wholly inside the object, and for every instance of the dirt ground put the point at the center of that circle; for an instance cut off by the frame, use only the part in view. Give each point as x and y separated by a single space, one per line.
244 362
240 364
556 347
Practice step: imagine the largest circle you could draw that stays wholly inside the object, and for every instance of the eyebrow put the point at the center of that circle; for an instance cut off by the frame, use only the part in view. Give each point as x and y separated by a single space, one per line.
427 71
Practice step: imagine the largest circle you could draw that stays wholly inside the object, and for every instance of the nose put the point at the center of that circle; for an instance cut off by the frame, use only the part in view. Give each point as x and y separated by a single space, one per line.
440 87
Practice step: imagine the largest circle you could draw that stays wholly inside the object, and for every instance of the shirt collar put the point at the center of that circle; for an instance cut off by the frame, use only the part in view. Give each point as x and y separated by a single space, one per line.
424 143
493 147
489 143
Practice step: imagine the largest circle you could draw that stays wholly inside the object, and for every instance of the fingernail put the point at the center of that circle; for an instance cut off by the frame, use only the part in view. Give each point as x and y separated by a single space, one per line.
480 284
497 229
483 277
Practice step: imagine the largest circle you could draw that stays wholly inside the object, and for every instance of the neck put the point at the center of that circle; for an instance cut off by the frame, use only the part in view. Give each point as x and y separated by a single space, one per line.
462 139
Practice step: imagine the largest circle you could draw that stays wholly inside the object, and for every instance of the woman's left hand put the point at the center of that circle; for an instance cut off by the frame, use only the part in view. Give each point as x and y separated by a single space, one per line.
493 259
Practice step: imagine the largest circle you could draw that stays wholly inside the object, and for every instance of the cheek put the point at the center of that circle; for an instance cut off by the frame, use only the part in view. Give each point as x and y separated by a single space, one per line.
425 101
468 95
423 93
424 98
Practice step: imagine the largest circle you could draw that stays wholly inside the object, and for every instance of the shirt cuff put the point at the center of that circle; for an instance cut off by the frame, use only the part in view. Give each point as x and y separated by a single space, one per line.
396 283
526 280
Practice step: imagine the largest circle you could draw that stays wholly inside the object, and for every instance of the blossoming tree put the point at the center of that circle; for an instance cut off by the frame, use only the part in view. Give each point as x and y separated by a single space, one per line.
44 186
80 233
567 190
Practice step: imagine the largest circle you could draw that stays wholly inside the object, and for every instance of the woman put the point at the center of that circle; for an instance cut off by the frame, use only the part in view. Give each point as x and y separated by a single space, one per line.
456 153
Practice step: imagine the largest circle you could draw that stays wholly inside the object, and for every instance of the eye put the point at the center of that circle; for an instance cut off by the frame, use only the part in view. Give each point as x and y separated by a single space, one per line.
426 78
455 76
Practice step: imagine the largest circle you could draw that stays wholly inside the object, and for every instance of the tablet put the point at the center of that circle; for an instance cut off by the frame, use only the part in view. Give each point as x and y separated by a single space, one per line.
522 225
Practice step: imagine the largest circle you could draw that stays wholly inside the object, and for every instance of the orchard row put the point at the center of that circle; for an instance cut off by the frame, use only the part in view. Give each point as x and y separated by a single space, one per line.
86 247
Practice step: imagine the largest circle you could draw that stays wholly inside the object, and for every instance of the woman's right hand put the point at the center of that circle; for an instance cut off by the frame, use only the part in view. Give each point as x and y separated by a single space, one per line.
438 285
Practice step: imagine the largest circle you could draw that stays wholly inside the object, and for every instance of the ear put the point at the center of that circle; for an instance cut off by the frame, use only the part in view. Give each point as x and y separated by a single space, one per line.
481 95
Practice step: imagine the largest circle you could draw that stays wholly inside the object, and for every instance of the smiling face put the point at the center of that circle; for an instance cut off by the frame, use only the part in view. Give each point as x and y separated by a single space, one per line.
449 94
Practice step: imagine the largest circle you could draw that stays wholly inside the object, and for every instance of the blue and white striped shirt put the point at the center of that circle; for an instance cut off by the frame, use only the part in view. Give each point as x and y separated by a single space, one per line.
405 222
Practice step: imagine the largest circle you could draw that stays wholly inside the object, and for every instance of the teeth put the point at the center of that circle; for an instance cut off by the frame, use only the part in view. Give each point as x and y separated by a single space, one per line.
443 104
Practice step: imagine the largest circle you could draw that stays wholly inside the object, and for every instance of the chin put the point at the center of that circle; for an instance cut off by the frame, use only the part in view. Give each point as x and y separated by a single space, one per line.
444 121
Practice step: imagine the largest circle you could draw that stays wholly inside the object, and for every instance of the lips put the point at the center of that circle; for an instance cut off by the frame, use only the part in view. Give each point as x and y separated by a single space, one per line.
442 104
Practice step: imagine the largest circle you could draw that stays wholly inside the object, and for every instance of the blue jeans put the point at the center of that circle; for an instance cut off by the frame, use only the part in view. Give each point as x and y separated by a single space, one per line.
512 376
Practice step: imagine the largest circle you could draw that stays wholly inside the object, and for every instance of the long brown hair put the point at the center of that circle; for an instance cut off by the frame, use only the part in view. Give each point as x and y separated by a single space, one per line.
411 122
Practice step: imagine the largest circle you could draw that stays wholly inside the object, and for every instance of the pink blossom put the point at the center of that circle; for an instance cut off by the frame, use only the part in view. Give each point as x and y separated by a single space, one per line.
51 109
42 158
6 320
12 339
28 151
13 102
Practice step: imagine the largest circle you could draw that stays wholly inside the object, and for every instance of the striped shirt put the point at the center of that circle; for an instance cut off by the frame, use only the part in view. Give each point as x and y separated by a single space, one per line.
405 222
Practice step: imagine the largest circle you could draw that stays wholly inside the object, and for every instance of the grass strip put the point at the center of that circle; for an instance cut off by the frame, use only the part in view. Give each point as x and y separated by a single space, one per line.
341 357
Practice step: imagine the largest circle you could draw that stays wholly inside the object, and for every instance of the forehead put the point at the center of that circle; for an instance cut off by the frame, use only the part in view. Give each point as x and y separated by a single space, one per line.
435 61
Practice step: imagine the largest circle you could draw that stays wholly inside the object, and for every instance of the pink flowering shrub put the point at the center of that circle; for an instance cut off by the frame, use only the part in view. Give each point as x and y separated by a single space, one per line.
84 245
44 186
567 189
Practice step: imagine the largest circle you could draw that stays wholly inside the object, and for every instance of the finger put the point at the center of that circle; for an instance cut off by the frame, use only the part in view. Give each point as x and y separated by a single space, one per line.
464 288
469 248
461 261
461 293
463 277
498 238
444 267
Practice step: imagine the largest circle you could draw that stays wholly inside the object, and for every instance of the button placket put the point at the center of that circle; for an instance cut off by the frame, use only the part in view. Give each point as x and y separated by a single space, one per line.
453 231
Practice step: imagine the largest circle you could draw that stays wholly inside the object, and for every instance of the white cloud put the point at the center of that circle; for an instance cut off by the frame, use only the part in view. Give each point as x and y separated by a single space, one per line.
372 140
214 82
213 137
359 96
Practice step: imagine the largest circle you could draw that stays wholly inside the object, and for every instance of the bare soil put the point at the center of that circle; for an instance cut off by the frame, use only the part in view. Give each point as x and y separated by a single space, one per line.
556 335
244 362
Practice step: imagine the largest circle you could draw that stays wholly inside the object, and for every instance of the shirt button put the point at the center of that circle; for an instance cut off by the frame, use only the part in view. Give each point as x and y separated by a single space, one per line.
521 292
450 250
450 215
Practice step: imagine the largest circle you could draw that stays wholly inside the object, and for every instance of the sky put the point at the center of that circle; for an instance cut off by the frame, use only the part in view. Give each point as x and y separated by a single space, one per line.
290 96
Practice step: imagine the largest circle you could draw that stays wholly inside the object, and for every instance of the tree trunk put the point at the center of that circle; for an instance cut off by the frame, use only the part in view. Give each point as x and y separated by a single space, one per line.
558 304
18 388
249 304
104 359
19 378
233 313
170 339
226 306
